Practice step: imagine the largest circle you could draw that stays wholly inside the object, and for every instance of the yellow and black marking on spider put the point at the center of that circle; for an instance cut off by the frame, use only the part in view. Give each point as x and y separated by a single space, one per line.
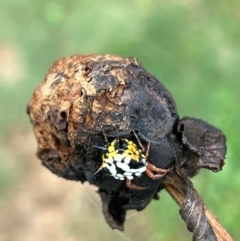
124 160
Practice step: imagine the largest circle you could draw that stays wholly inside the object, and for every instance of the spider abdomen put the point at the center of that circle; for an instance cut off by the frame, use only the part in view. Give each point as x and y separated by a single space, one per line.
122 159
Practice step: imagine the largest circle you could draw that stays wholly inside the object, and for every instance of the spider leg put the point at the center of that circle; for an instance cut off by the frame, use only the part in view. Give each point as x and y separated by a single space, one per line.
133 186
147 151
152 175
105 137
100 147
159 171
98 170
139 142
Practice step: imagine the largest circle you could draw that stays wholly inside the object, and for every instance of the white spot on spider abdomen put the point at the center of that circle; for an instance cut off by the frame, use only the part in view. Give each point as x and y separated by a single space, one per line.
138 174
127 159
118 158
119 175
125 167
113 170
126 174
129 177
140 170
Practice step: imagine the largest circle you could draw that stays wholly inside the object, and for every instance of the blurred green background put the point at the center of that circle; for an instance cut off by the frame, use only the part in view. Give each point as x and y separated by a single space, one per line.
191 46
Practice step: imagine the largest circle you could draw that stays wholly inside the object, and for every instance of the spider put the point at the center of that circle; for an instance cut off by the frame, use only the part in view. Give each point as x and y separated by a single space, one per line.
124 160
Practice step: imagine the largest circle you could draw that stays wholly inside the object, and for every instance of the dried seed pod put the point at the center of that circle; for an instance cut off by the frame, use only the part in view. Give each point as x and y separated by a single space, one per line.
85 102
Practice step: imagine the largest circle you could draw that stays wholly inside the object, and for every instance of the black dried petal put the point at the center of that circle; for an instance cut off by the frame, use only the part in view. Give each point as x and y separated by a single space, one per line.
204 145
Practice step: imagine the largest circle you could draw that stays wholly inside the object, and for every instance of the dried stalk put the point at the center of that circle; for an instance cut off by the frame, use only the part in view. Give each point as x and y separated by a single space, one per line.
178 187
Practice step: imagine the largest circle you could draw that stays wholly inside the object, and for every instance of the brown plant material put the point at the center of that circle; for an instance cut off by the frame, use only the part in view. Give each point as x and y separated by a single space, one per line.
85 100
198 217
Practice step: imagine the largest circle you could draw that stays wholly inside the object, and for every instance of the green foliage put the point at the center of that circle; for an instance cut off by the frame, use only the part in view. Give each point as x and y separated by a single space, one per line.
191 46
